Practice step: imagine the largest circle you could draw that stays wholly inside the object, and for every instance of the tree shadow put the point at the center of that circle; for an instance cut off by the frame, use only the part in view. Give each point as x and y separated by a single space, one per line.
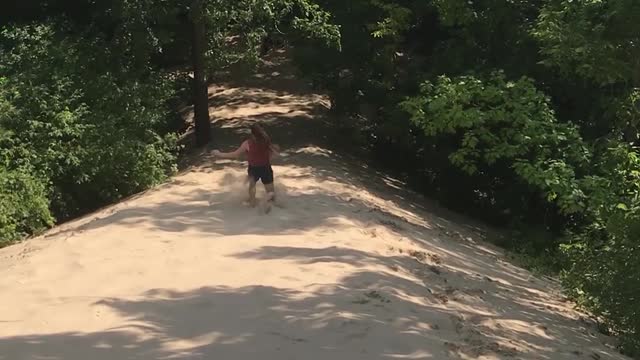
434 280
368 315
275 71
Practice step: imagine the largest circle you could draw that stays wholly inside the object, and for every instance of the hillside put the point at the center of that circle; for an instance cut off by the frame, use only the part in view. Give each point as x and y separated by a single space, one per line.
350 265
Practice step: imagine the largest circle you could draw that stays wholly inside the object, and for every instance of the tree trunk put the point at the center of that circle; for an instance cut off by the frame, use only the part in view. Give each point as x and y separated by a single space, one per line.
200 86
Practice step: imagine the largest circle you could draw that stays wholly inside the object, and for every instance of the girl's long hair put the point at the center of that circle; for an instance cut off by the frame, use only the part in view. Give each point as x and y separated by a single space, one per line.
260 135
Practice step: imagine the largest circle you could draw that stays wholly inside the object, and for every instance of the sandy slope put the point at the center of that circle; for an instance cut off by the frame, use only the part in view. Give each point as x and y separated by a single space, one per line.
350 267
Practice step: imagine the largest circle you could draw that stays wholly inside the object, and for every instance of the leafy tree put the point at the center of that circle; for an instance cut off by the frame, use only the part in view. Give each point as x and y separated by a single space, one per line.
103 137
507 128
599 42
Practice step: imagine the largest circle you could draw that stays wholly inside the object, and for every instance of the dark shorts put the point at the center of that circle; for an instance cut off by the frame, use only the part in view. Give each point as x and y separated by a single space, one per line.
261 173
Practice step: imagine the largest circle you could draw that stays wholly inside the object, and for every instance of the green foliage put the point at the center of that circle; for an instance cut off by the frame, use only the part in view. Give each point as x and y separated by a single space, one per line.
101 137
594 39
236 29
314 23
24 207
603 273
500 124
375 39
597 42
396 22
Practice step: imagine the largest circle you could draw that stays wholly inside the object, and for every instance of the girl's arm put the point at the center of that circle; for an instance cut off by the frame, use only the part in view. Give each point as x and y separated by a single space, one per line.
275 150
232 155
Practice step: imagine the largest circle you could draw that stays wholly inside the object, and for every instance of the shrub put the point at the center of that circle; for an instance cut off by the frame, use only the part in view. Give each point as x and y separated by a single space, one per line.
604 273
506 132
24 207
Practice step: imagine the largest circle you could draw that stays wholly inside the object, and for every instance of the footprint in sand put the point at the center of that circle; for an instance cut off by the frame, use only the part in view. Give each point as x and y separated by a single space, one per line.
474 343
371 232
390 224
372 296
359 334
458 323
435 270
468 295
292 339
440 296
475 292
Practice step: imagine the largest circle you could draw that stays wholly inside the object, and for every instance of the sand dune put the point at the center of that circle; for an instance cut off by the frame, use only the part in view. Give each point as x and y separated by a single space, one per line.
349 266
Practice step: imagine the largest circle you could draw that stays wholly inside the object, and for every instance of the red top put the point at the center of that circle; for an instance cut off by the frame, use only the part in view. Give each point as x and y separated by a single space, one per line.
258 154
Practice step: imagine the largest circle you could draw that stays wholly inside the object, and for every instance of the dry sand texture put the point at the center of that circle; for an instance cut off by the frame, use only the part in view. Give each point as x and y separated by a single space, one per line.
351 266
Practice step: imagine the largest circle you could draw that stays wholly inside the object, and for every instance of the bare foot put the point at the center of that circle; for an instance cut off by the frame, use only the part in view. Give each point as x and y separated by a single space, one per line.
268 203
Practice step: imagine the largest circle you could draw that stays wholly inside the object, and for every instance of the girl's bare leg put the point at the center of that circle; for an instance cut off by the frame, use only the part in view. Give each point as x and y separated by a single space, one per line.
271 192
252 192
271 196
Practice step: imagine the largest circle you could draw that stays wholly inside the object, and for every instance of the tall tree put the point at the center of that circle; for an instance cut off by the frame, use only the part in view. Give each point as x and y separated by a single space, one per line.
200 88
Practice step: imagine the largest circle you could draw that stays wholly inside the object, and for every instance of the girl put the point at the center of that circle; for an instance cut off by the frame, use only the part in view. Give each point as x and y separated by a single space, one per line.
259 150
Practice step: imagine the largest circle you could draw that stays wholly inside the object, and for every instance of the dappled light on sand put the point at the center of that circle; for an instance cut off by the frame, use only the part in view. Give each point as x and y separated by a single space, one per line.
348 265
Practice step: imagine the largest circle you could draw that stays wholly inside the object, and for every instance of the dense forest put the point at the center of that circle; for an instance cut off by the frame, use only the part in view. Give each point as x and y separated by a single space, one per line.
517 112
